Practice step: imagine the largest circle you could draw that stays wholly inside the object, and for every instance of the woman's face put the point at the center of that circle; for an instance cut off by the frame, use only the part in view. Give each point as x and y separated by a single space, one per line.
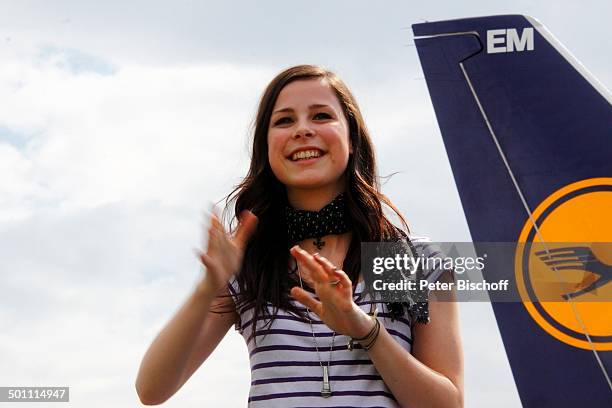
308 137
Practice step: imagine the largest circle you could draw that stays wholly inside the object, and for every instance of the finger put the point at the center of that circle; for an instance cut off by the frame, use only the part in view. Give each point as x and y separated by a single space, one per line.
215 239
211 212
325 263
307 300
246 227
216 223
344 279
307 261
208 262
206 225
334 274
221 235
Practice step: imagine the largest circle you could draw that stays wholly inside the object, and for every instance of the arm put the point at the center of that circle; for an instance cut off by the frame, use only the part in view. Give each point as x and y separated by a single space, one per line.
195 331
182 346
430 377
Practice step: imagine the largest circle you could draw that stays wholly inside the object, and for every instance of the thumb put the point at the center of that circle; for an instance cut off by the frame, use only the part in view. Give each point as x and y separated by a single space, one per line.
306 299
246 227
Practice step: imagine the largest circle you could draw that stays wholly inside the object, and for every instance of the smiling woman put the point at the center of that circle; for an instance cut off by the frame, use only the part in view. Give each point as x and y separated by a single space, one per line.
304 109
287 276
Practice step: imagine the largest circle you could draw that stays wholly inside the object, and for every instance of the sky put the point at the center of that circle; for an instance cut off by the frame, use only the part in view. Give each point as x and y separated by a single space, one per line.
120 122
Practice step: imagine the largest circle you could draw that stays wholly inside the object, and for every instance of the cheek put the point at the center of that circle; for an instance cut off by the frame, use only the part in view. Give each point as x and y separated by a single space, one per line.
275 152
338 142
344 147
273 144
276 140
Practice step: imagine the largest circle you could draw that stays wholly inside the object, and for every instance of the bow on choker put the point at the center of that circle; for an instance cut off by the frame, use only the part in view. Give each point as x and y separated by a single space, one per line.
331 219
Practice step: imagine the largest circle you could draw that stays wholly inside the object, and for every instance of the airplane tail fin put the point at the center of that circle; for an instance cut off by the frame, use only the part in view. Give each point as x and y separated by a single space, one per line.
528 133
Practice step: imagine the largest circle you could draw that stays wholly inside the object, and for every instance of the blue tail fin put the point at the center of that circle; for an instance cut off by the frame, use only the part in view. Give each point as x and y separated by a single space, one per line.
528 132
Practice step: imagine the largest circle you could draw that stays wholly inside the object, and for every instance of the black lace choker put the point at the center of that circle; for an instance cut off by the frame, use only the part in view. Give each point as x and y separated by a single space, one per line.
331 219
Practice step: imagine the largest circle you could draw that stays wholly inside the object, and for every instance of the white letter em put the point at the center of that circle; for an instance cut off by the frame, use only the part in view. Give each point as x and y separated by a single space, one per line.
508 40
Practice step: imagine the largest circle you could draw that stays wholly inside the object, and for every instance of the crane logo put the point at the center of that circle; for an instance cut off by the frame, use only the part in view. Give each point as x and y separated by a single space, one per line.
564 266
578 259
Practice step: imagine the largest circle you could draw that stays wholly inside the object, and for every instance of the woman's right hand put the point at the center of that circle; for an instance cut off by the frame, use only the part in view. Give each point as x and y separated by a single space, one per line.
223 256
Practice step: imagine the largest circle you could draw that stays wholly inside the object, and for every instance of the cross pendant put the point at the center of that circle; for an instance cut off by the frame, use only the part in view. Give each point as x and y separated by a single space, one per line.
319 243
326 390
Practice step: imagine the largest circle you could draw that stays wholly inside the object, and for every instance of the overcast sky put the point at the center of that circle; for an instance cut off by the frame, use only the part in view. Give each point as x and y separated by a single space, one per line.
120 122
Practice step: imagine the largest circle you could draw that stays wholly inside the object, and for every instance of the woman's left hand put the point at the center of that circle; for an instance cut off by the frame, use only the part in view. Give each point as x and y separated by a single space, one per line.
335 306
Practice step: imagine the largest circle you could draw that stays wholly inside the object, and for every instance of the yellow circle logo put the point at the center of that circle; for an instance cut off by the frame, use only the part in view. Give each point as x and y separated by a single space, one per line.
569 258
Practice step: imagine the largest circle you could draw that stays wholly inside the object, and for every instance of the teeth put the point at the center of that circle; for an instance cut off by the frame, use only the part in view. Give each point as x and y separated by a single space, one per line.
306 154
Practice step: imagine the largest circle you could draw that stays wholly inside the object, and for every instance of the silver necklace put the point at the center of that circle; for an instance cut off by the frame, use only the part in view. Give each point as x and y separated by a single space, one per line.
326 391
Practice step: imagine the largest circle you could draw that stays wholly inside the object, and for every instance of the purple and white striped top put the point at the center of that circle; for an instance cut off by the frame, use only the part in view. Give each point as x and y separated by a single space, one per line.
285 368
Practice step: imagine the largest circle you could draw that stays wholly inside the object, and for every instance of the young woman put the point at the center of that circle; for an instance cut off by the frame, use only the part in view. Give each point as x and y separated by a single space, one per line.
288 275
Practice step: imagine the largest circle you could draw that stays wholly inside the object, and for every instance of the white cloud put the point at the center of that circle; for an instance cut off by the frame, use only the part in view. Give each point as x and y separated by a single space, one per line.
100 211
141 134
84 294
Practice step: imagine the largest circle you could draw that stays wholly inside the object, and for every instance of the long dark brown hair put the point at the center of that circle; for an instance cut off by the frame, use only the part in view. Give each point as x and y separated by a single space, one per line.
264 278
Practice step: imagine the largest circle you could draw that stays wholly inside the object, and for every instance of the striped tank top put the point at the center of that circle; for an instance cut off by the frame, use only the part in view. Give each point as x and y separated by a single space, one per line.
286 370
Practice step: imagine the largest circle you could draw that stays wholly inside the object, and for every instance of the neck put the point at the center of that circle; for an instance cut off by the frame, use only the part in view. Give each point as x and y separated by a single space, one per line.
335 249
333 244
311 200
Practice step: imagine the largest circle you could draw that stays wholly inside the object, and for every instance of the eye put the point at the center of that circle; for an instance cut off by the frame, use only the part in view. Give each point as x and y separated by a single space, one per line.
322 115
282 121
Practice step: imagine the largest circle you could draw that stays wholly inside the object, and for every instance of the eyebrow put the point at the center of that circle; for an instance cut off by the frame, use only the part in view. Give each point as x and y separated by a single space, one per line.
311 107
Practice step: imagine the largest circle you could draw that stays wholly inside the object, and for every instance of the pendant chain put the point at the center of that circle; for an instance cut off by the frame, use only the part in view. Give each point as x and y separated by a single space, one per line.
326 390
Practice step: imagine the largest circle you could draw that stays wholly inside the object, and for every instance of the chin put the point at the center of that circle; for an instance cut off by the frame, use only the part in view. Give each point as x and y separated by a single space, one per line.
312 183
306 185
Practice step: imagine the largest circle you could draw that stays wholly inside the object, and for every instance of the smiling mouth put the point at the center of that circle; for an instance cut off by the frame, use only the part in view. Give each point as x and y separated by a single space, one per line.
306 155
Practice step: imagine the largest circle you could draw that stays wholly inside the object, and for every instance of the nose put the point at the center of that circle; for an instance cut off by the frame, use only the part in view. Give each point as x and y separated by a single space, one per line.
303 130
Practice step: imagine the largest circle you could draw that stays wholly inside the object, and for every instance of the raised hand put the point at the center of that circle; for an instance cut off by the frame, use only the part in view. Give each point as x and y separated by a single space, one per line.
334 289
223 256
